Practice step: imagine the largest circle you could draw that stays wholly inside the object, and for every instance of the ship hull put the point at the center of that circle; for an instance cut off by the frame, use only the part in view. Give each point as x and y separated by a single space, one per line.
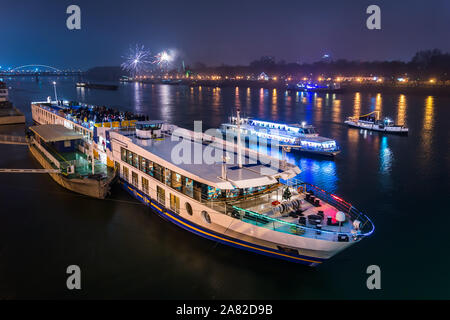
313 152
231 239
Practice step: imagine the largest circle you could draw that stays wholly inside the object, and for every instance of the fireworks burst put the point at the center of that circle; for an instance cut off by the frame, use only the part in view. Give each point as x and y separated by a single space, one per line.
137 60
163 59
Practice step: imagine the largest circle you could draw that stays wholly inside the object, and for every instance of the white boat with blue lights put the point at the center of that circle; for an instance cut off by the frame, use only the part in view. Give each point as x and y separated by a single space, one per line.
371 121
326 87
301 137
254 203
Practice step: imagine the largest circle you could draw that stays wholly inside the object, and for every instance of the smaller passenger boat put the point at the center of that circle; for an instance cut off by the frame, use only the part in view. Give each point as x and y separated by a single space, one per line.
327 87
372 122
300 137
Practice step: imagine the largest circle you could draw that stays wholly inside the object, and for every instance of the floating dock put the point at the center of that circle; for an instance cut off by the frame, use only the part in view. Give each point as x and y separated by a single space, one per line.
8 113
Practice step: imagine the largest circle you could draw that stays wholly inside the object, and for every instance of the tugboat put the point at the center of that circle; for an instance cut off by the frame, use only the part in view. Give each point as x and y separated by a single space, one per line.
300 137
371 121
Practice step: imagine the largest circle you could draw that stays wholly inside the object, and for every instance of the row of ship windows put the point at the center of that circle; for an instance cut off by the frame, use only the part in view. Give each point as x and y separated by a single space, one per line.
194 189
160 192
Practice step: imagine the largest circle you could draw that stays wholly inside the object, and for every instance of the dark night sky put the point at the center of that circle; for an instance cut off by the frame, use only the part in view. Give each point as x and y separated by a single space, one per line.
219 31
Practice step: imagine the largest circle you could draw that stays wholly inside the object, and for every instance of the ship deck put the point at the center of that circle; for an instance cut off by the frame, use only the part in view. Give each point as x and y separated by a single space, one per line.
254 172
263 205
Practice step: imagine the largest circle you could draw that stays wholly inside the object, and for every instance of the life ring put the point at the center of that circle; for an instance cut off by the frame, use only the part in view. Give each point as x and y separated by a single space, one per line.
300 189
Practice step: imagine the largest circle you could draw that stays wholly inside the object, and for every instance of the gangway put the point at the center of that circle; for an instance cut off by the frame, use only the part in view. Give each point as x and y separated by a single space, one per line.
10 139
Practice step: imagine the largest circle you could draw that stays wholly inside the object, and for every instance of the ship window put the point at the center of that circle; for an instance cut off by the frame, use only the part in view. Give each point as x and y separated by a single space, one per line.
158 170
129 157
176 181
161 195
135 160
145 185
206 216
167 176
188 187
142 164
188 208
149 168
175 203
197 186
125 173
134 179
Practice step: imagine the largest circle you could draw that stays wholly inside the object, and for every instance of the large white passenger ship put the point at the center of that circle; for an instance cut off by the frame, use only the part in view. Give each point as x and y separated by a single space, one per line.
255 203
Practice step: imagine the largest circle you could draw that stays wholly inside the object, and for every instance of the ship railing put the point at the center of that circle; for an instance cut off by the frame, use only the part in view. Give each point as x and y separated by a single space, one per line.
45 153
367 227
279 225
81 165
216 205
261 220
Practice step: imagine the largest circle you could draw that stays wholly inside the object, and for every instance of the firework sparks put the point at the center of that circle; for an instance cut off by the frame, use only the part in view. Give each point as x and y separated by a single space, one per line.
137 60
163 59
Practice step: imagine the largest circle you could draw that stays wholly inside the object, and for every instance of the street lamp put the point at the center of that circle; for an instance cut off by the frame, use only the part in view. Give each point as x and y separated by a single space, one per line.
54 86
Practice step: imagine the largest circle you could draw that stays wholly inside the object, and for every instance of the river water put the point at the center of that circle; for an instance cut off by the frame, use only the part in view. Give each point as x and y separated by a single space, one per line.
126 251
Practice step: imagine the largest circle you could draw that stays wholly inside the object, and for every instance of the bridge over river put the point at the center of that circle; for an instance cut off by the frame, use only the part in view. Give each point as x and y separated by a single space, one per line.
36 70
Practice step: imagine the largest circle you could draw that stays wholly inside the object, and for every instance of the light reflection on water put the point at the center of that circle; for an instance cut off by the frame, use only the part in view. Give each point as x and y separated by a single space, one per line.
274 105
318 171
357 105
428 123
401 113
138 106
378 105
336 110
318 107
165 102
214 105
385 157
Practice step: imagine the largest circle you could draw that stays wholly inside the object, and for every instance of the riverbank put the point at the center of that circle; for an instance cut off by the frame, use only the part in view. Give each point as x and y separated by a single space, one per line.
411 88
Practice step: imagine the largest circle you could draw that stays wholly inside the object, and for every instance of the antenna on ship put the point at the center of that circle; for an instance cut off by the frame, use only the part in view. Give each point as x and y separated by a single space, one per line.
239 151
